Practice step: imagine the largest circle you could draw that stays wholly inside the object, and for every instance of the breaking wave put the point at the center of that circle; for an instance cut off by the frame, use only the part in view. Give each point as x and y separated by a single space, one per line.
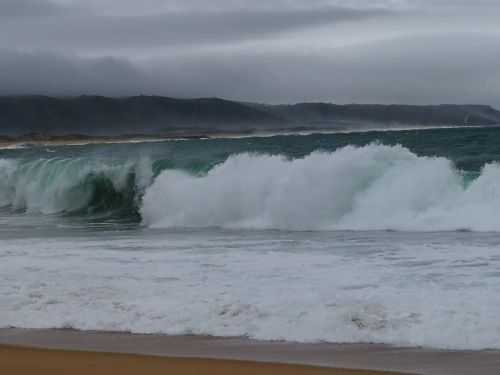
374 187
73 186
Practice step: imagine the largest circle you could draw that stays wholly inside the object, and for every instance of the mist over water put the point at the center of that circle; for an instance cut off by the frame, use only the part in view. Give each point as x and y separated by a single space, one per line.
373 237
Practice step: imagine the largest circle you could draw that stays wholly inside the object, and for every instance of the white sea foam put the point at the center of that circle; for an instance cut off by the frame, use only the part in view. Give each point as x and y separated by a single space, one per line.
437 290
347 130
358 188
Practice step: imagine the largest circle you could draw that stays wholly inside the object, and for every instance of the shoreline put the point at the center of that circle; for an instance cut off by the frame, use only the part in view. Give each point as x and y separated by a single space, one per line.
82 140
20 361
370 357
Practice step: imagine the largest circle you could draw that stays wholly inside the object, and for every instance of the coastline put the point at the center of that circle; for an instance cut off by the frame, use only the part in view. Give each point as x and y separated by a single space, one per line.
192 351
82 140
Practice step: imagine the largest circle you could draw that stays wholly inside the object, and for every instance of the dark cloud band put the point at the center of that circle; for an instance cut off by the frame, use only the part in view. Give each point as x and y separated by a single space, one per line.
450 74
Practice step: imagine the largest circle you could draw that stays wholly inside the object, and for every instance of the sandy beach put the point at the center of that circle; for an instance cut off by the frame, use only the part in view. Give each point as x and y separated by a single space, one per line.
67 351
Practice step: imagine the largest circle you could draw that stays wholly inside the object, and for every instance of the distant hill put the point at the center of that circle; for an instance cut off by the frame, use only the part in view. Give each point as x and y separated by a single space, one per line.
320 114
99 116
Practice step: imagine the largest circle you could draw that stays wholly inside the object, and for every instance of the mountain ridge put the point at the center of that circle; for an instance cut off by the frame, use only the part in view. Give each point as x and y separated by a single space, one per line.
108 116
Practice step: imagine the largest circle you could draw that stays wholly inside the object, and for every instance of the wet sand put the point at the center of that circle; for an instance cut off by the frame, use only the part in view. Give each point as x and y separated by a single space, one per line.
200 355
21 361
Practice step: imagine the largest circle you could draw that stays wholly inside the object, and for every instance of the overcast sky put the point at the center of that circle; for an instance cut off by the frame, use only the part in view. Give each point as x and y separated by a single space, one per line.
276 51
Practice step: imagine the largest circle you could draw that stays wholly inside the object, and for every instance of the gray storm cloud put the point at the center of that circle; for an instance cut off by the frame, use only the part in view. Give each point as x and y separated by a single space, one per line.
65 27
23 8
417 51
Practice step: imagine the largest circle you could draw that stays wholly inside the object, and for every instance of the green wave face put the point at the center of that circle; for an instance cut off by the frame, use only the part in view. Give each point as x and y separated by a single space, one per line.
79 186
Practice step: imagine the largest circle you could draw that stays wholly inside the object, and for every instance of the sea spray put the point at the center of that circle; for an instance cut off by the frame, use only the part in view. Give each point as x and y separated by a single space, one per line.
375 187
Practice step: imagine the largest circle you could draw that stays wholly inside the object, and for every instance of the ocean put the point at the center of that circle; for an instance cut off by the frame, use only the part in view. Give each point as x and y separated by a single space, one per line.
377 237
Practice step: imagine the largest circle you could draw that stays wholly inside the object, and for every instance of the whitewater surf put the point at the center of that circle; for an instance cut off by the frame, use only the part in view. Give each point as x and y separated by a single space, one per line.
386 237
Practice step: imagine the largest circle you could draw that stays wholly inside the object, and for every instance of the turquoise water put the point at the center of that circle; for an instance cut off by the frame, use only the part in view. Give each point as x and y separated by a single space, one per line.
110 180
469 148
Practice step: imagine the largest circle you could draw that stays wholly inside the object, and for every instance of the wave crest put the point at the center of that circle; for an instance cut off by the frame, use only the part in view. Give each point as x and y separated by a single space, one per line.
374 187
